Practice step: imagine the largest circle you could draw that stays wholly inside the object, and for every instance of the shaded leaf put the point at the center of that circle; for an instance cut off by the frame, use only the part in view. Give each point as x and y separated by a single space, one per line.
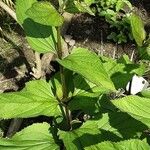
144 52
79 138
120 126
86 95
56 85
122 70
34 137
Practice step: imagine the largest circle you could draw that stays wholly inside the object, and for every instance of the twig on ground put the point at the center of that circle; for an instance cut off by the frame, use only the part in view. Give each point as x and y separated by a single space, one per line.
8 10
114 53
102 45
132 55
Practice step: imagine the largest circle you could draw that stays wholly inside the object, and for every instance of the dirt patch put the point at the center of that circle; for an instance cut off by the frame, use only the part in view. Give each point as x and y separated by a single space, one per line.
91 32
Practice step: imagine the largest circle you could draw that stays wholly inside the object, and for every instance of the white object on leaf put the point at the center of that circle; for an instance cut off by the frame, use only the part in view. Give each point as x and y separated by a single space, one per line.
136 85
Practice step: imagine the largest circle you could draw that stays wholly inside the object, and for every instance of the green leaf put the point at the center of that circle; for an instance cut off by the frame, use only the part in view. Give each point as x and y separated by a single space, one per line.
21 8
42 38
83 7
138 30
118 126
121 4
146 93
89 2
87 64
36 99
70 7
85 88
79 138
56 85
123 145
86 95
122 70
73 6
44 13
137 107
34 137
144 52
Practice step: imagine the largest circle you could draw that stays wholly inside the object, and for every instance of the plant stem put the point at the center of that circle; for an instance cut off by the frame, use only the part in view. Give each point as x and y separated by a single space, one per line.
68 117
62 75
59 53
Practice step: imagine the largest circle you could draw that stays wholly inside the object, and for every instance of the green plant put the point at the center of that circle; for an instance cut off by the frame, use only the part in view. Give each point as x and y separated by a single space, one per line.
116 13
141 37
78 98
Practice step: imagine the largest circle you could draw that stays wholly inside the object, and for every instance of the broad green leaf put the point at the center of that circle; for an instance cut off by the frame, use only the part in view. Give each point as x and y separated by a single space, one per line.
36 99
79 138
137 107
34 137
146 93
88 65
45 13
42 38
138 30
133 144
118 126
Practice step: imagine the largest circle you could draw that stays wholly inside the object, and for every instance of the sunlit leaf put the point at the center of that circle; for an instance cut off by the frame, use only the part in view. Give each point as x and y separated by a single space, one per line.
138 30
36 99
89 65
45 13
137 107
34 137
42 38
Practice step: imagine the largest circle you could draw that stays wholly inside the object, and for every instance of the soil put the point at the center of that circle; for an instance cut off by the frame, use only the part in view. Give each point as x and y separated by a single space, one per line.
17 58
91 32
